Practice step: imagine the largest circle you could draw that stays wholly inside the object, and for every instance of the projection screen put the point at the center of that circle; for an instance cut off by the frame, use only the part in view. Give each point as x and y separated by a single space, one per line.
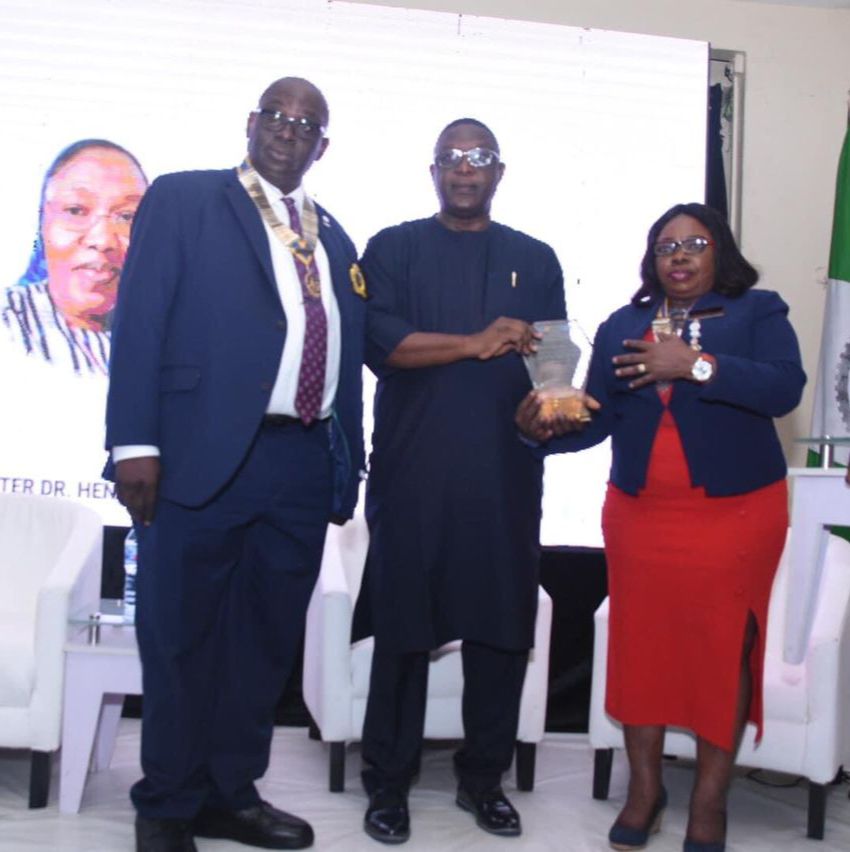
600 131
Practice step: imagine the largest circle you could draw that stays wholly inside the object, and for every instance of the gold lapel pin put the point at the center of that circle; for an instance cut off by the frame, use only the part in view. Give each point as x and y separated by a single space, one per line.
358 282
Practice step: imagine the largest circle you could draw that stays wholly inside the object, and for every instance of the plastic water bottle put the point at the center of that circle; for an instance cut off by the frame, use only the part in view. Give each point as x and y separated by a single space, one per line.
131 550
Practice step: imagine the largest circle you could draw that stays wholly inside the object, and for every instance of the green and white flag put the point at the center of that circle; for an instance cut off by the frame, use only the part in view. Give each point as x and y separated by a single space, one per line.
831 414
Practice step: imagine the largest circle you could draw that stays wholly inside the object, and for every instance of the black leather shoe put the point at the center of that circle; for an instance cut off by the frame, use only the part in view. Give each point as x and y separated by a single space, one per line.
387 818
493 812
164 835
261 825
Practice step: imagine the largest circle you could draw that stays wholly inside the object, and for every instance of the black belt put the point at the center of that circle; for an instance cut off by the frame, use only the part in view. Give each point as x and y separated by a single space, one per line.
278 420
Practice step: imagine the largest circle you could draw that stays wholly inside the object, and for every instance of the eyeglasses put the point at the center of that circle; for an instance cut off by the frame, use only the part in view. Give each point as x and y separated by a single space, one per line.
275 120
478 158
76 217
689 245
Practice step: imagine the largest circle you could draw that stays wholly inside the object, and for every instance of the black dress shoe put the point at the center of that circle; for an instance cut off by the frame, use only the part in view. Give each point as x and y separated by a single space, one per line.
164 835
493 812
387 819
261 825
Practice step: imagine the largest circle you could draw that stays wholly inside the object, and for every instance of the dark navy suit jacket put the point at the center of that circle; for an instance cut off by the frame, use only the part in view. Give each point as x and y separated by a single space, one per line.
726 425
199 331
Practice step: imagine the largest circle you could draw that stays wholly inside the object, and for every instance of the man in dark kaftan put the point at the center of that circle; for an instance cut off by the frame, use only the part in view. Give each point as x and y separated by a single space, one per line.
453 499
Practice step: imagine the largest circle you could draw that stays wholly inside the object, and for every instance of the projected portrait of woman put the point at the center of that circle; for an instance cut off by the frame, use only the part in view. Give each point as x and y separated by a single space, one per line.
60 310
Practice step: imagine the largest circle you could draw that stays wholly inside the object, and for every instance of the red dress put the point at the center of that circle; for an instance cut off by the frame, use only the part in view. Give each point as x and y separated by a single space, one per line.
684 572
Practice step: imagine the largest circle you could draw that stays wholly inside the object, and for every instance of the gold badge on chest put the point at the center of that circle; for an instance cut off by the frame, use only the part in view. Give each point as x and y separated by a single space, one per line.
358 282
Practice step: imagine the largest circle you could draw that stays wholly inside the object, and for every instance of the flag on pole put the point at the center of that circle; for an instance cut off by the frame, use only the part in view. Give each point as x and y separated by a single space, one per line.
831 414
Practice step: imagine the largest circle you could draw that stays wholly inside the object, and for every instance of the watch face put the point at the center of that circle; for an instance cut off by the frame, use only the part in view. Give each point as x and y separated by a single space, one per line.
702 370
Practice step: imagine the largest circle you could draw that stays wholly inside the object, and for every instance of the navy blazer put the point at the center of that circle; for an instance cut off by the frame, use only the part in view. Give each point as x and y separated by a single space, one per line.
199 332
726 425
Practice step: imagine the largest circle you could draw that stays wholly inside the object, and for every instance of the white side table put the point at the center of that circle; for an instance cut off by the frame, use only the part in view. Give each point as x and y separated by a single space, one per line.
101 667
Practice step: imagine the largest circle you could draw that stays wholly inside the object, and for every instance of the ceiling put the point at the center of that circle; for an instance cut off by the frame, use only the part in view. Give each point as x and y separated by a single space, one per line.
824 4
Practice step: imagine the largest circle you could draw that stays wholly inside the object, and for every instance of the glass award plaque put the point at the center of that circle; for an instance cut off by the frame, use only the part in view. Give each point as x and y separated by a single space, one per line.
558 368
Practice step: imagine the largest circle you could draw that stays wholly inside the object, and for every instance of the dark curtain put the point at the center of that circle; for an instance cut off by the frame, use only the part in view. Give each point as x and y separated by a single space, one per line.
715 178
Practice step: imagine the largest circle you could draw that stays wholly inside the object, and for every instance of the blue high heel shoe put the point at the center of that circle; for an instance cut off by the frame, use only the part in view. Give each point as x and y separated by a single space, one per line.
697 846
627 839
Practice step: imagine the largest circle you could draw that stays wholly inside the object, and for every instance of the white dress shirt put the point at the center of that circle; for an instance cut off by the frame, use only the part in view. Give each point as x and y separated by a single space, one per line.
282 399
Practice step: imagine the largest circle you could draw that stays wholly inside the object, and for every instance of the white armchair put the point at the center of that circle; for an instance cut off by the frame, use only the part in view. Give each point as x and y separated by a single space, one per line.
806 706
50 565
336 672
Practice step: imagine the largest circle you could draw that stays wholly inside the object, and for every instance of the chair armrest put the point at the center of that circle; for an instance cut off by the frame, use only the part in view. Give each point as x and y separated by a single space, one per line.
73 582
535 690
332 576
830 620
326 680
326 683
603 732
828 669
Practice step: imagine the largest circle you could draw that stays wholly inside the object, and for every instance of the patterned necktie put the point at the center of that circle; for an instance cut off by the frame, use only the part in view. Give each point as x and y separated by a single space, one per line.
311 376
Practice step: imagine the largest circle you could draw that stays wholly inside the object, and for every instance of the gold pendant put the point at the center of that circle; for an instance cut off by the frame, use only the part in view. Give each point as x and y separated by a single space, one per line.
661 325
303 258
311 282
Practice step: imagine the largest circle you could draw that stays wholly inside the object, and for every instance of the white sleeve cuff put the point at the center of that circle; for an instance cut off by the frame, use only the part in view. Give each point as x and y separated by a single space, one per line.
133 451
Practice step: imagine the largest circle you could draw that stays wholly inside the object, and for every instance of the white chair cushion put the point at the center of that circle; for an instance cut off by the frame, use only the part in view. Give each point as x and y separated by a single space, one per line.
445 676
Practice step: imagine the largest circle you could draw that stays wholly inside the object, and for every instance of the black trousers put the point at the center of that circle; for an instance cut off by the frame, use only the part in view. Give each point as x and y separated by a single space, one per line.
222 592
395 716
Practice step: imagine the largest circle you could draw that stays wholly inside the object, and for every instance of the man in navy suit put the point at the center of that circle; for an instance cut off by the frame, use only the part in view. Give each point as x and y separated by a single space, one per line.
234 423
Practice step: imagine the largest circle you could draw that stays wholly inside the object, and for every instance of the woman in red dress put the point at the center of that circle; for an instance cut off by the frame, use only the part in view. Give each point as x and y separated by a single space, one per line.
688 377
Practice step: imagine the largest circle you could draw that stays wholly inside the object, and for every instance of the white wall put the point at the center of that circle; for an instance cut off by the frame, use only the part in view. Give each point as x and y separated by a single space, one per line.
797 81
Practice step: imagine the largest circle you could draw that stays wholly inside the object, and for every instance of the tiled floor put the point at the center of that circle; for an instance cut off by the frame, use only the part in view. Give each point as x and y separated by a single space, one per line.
558 816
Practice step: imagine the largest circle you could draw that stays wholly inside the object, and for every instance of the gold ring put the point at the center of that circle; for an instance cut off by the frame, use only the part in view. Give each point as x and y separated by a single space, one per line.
641 368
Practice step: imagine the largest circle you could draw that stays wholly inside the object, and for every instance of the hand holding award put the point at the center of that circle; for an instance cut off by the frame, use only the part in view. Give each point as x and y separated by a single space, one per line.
555 368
